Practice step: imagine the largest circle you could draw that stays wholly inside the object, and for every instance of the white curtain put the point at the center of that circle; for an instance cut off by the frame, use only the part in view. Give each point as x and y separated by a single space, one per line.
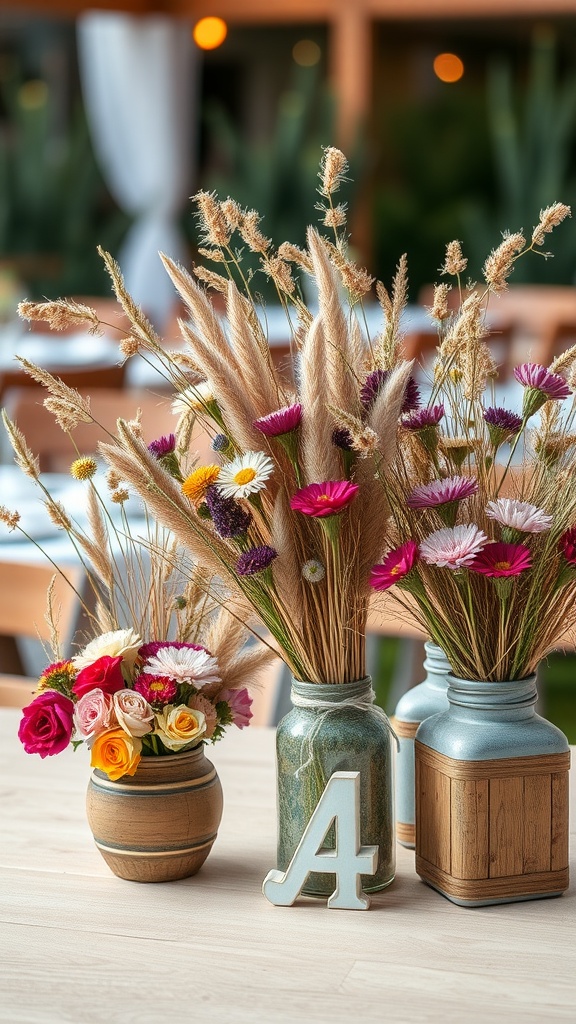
139 81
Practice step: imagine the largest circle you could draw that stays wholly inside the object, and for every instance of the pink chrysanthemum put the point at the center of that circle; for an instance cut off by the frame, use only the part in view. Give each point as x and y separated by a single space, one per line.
519 515
442 492
157 690
280 422
533 375
325 499
498 559
453 547
395 567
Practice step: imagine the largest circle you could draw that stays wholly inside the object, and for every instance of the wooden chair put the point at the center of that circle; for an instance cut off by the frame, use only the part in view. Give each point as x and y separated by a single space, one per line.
23 606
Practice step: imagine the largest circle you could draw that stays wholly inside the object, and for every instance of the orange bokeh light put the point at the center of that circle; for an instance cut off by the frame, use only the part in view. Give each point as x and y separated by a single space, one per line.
448 67
209 33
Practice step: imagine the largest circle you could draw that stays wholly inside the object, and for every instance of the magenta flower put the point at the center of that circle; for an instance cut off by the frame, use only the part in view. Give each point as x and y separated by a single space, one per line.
240 704
151 650
498 559
325 499
541 385
396 565
374 383
163 446
283 421
255 560
567 545
47 724
157 690
501 424
442 492
420 419
454 547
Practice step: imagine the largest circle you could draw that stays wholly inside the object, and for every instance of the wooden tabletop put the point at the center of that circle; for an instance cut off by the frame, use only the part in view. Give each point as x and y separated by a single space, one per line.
79 946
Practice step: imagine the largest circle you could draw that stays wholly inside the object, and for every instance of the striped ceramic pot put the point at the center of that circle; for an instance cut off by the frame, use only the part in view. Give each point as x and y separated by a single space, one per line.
159 824
425 699
492 796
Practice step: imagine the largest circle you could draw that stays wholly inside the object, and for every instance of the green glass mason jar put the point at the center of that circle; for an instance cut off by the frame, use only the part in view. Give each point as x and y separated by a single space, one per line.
335 728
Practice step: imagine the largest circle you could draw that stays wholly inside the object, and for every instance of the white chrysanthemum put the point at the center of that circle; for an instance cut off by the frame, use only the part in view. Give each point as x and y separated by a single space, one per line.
120 641
313 571
193 399
454 547
519 515
245 475
184 665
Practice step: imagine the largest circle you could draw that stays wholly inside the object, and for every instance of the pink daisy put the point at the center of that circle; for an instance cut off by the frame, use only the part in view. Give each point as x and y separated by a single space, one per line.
157 690
498 559
280 422
541 385
519 515
325 499
240 704
453 547
395 567
442 492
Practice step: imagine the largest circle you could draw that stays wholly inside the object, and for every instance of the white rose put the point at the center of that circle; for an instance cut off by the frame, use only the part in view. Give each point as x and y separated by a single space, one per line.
179 726
133 712
123 642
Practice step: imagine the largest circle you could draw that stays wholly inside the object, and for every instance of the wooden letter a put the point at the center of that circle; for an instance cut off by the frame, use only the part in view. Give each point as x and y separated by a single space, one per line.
339 803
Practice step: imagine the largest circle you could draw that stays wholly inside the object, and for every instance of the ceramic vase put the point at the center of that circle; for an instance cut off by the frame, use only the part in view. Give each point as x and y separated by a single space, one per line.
425 699
492 796
159 824
344 739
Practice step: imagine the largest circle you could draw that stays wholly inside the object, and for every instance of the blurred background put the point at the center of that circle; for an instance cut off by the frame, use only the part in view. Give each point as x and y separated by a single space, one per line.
455 127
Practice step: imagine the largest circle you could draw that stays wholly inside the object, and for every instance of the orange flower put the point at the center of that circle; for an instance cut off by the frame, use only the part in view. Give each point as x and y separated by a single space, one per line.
198 482
116 753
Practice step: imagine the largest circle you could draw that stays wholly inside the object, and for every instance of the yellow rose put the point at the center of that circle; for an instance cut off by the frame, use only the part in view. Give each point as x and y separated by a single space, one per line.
179 726
116 753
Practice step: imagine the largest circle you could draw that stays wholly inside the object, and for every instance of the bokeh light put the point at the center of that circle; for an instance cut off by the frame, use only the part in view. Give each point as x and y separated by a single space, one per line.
448 67
210 33
33 95
306 53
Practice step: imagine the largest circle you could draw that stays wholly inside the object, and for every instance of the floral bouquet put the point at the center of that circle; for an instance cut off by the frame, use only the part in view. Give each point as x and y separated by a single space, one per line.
484 498
284 513
167 666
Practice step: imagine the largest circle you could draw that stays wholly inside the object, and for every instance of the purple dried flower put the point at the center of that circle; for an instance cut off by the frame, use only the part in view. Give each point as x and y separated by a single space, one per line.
283 421
229 518
150 650
256 560
220 443
442 492
163 446
421 419
342 438
502 424
374 383
541 386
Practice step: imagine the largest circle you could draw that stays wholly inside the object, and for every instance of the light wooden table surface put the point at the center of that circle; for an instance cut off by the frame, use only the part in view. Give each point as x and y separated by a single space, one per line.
79 946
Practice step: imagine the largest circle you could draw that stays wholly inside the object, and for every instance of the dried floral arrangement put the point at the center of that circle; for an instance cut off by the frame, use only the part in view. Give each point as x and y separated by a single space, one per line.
289 512
166 666
484 499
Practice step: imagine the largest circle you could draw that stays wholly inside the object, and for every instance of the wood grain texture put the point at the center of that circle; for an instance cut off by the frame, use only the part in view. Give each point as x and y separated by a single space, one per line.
79 946
501 768
537 824
470 835
541 882
560 820
433 816
406 832
506 827
404 730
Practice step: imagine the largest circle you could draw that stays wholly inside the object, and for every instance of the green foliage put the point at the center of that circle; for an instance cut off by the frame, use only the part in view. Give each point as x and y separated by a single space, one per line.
533 133
54 208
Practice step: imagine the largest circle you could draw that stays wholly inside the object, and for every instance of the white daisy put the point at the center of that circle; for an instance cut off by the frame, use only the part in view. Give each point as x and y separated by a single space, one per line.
519 515
120 641
245 475
184 665
193 399
453 548
313 571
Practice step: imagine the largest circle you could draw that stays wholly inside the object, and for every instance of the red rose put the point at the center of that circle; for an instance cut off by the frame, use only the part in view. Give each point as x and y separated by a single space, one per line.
104 674
46 727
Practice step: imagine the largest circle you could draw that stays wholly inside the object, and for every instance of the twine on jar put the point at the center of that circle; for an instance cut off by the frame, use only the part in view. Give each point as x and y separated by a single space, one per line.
361 702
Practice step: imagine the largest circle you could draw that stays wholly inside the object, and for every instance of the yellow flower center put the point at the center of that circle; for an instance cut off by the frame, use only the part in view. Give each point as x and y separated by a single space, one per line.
244 476
156 686
502 565
395 570
323 497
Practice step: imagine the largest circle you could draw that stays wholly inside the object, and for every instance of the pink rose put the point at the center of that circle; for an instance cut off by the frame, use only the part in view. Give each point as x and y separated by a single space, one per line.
94 713
47 724
239 702
133 712
104 674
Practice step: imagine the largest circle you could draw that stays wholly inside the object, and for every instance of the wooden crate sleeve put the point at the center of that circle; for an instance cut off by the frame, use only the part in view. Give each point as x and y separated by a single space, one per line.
492 829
